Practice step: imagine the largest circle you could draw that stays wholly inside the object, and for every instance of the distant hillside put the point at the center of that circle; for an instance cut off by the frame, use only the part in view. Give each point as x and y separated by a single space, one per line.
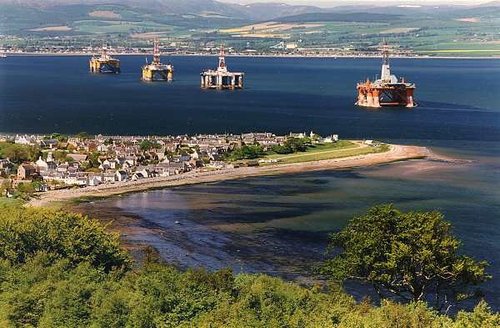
266 11
258 11
199 24
338 17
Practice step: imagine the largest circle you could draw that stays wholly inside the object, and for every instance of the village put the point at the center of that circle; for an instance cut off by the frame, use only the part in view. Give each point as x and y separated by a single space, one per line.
39 163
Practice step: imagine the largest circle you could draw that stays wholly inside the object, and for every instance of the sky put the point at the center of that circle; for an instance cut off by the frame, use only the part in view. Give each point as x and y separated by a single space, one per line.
331 3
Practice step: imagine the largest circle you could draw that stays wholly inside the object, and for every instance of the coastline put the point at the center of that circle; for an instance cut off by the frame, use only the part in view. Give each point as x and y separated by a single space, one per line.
76 54
396 153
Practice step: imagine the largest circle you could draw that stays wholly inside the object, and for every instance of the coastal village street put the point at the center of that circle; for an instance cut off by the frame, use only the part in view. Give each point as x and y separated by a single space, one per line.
84 166
60 162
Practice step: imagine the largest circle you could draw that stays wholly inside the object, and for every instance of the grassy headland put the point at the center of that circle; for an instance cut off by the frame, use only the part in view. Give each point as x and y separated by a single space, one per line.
340 149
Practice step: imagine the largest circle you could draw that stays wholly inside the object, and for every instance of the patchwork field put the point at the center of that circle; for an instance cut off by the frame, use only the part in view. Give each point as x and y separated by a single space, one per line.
62 28
105 14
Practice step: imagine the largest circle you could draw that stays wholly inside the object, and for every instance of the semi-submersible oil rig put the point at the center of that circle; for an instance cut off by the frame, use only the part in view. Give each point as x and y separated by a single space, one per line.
386 91
104 64
156 71
221 78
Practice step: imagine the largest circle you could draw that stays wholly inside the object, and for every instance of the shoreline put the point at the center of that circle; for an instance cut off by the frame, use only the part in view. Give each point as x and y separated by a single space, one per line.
77 54
396 153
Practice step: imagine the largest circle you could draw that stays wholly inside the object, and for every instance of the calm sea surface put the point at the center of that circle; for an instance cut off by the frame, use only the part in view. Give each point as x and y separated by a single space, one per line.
279 225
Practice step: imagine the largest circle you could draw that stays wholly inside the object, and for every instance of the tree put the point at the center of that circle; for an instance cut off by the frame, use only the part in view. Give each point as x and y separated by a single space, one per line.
26 190
412 256
58 136
147 145
5 186
246 152
18 153
76 238
83 136
291 145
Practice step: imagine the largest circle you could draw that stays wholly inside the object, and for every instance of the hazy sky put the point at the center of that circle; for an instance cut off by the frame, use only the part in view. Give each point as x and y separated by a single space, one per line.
331 3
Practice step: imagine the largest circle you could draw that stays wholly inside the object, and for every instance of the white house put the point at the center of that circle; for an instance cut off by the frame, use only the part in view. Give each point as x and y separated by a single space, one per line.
121 176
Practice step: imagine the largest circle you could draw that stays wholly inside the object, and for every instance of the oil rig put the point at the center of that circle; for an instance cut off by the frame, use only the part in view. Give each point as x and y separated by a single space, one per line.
105 64
386 91
221 78
156 71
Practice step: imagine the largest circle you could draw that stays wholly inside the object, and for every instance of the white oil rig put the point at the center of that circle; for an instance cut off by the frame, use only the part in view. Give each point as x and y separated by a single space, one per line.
221 78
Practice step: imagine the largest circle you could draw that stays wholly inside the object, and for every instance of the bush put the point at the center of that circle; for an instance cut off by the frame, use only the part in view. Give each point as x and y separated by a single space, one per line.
60 270
25 232
246 152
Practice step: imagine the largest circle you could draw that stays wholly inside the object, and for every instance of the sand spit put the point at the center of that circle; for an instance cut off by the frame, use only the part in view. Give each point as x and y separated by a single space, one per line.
395 153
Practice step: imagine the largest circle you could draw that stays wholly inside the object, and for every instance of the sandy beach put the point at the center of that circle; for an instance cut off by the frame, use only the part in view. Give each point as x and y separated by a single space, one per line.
395 153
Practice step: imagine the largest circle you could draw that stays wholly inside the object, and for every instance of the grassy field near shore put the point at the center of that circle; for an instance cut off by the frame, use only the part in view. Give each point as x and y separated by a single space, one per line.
343 148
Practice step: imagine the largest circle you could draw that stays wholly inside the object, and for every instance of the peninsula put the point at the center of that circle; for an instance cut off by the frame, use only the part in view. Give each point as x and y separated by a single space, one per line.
48 169
394 154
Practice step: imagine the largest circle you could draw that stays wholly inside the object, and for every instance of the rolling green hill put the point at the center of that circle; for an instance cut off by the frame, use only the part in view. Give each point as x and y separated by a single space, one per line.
430 30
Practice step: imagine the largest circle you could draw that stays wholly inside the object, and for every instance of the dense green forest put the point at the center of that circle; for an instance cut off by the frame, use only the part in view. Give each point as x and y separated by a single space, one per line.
59 269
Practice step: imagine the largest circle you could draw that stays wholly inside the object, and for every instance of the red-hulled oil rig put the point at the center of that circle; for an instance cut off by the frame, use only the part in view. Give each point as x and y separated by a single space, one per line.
386 91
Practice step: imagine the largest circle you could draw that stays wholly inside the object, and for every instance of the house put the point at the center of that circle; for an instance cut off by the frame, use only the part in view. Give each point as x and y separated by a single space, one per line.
24 140
177 168
131 160
108 177
94 180
301 135
195 155
108 164
146 171
331 139
49 143
41 165
121 176
138 176
102 148
62 168
78 157
5 163
216 165
26 171
169 169
185 158
5 167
